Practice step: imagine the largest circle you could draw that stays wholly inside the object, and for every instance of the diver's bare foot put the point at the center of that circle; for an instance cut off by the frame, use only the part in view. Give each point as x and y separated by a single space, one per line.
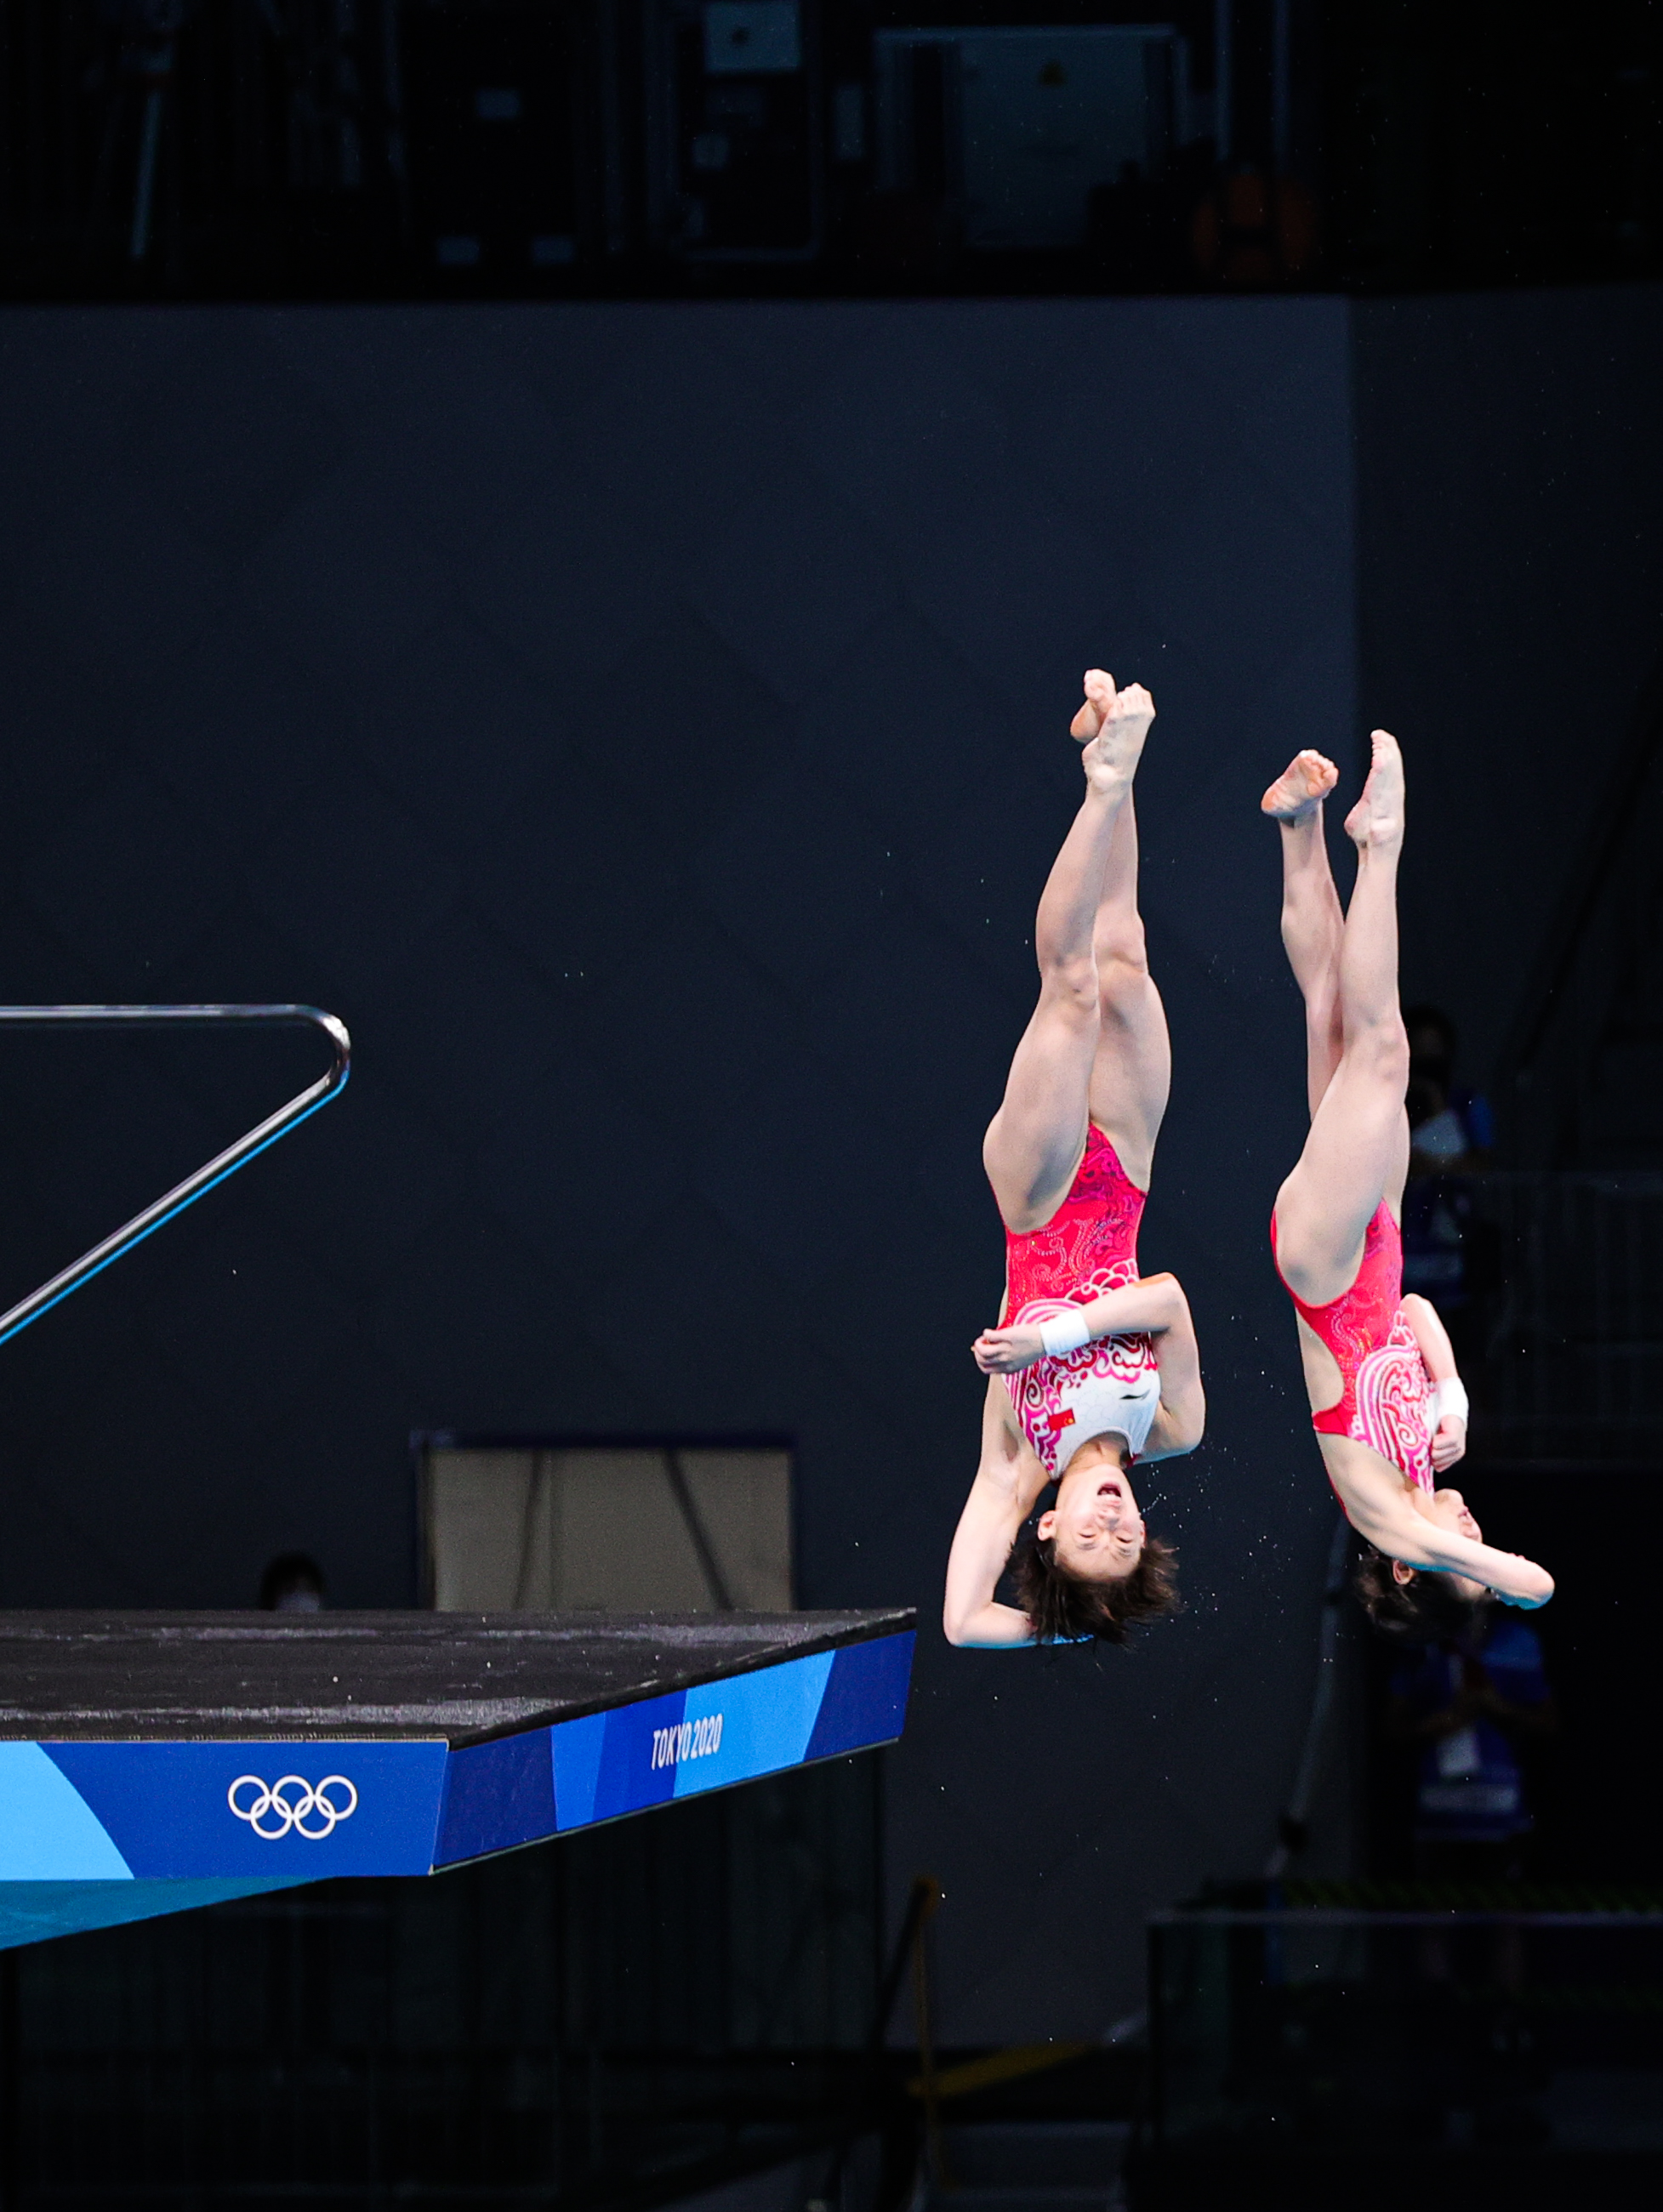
1112 725
1301 788
1377 817
1100 697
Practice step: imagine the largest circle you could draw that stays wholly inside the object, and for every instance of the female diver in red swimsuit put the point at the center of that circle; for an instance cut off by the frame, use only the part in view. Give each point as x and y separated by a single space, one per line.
1092 1364
1387 1405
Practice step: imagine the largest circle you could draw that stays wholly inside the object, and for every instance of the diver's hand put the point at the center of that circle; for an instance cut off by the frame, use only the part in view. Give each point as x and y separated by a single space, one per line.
1449 1445
1006 1351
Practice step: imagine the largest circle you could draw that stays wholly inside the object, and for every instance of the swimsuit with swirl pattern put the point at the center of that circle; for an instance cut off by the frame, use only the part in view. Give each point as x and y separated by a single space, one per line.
1387 1398
1108 1387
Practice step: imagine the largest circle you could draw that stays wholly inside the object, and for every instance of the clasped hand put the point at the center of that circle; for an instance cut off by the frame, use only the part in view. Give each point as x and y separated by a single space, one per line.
1006 1351
1448 1445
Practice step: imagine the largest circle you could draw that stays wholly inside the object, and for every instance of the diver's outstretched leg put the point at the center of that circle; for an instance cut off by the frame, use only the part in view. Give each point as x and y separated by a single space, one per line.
1132 1069
1035 1141
1312 923
1357 1151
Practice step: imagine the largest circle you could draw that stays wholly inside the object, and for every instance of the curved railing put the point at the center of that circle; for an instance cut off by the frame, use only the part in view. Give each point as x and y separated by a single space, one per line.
215 1171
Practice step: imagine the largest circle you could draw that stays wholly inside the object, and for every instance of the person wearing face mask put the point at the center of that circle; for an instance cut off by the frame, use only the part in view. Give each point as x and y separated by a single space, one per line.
1387 1404
1092 1364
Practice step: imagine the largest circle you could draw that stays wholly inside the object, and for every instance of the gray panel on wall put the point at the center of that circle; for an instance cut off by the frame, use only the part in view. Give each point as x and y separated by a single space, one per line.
646 726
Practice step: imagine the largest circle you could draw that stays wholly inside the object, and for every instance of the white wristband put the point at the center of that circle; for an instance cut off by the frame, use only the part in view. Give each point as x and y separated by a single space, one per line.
1064 1332
1449 1402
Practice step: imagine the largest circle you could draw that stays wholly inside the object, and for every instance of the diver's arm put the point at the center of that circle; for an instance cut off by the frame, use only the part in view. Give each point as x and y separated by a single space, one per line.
1432 1337
1180 1419
1144 1307
1437 1355
1395 1528
1008 1482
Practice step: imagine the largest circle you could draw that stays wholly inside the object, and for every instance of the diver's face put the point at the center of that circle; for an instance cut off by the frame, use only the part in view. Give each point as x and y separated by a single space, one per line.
1097 1529
1448 1510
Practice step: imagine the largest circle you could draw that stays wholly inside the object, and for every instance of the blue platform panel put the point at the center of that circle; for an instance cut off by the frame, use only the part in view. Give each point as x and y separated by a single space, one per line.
196 1811
94 1831
602 1767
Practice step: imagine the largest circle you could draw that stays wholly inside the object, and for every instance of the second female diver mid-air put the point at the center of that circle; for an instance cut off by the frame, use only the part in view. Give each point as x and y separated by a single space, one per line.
1388 1407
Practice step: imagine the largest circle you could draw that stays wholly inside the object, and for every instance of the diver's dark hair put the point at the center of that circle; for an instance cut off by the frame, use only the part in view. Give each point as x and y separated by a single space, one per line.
1065 1609
1426 1609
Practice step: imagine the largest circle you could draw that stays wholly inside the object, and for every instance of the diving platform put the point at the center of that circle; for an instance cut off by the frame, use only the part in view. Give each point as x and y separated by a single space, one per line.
151 1762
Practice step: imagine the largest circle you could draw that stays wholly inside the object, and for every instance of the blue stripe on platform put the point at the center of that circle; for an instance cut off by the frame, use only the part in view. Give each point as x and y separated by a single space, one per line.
576 1750
49 1832
753 1724
865 1700
497 1794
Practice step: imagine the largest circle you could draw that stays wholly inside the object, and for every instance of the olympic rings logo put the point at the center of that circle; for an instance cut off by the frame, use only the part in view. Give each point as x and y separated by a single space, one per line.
275 1809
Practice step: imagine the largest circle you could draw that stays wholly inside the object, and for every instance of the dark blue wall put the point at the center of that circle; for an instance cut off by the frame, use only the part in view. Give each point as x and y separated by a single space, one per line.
646 726
1510 498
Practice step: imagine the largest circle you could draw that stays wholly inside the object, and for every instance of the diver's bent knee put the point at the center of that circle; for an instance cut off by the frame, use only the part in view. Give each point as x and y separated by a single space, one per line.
1125 947
1381 1051
1071 986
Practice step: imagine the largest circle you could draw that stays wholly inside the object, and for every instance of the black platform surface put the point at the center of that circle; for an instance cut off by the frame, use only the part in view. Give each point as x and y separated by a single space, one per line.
466 1677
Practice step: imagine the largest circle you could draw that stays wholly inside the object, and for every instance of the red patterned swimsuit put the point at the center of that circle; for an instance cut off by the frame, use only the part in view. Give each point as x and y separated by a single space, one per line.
1387 1396
1088 1246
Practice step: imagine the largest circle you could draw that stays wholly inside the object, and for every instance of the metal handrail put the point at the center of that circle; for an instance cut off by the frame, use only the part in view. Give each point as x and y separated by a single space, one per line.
216 1170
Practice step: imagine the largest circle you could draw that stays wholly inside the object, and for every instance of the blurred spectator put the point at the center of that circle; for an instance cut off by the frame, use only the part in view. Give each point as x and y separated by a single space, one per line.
292 1582
1448 1128
1471 1712
1449 1250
